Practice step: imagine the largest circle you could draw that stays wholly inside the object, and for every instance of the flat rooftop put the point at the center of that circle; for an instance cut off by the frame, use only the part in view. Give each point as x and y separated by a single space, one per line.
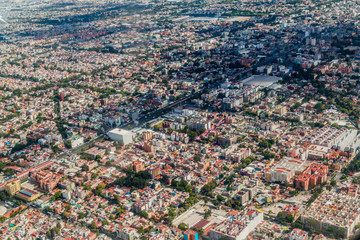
261 81
119 131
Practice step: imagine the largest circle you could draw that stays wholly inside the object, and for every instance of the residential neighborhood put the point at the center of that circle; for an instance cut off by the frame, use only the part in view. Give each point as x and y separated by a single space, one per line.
164 120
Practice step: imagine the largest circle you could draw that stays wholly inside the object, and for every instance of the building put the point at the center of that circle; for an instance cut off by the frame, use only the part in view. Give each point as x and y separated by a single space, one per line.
76 141
237 227
13 187
198 124
191 235
227 140
243 197
154 170
138 166
236 154
246 194
121 135
259 80
332 211
27 195
127 233
148 147
183 137
62 96
342 139
293 211
285 170
46 179
315 174
320 237
94 152
281 110
298 234
147 136
92 164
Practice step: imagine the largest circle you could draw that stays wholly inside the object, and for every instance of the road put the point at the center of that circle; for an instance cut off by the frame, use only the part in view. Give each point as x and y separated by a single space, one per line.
130 125
78 148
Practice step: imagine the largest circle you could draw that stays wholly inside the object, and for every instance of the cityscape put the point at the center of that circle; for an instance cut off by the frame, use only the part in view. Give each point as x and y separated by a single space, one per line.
179 119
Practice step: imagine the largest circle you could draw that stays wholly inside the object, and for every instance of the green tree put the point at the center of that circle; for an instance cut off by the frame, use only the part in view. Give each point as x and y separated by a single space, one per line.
289 218
197 158
207 213
120 211
333 183
67 207
143 214
172 212
319 107
58 194
183 226
220 198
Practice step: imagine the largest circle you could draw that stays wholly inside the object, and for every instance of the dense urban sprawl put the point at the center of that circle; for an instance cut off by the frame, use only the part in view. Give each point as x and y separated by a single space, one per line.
179 119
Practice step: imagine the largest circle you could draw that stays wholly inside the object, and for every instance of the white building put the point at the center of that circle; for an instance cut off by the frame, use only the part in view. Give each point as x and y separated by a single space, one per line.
117 134
66 195
76 141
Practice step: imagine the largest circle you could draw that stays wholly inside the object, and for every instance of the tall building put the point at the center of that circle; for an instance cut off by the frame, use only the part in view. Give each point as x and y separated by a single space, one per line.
62 96
13 187
154 170
148 147
138 166
147 136
243 197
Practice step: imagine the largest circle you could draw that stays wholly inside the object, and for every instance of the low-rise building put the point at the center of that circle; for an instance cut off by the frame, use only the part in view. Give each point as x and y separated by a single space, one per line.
237 227
333 211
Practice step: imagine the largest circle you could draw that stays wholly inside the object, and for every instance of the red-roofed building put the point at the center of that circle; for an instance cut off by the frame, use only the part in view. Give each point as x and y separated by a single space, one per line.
315 174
